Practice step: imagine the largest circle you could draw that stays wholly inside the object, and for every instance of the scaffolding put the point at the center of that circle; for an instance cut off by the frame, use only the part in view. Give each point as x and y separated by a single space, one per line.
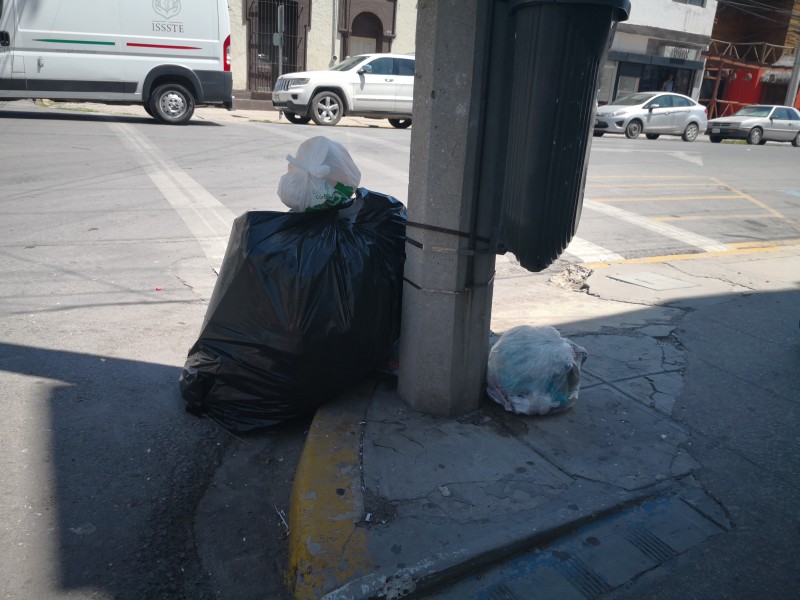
722 58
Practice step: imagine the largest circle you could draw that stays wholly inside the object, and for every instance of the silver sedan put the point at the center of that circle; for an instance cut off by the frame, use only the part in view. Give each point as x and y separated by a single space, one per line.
654 114
758 124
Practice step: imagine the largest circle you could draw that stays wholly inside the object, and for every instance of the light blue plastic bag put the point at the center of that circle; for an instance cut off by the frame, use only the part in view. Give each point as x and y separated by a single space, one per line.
534 371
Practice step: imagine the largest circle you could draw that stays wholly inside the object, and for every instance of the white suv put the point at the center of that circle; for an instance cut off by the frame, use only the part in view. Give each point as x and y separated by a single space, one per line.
379 86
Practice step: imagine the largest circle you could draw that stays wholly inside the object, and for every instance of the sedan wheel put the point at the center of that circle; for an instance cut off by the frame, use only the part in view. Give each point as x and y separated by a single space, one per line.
796 141
652 136
400 123
690 133
326 108
633 129
755 135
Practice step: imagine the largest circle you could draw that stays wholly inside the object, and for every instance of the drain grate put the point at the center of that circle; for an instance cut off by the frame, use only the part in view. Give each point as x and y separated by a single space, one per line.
585 580
650 545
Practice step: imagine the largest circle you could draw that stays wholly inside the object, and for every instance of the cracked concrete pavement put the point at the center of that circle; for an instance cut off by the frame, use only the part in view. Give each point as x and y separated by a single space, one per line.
389 502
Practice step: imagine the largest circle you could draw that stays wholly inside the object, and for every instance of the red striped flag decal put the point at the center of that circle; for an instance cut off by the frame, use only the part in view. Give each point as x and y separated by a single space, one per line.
163 46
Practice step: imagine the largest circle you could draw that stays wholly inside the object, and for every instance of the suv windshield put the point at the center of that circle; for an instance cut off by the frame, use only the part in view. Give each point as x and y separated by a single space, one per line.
348 63
753 111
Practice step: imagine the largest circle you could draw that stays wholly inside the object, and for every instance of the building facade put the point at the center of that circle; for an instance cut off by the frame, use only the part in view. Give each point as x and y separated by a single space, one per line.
272 37
663 40
659 47
752 56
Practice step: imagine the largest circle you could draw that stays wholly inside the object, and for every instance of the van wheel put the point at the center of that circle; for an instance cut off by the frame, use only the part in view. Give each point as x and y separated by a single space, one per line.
295 118
148 110
714 139
326 108
400 123
172 104
598 133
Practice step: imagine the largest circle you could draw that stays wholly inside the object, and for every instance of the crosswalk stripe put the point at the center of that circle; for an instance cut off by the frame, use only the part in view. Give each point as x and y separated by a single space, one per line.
589 252
670 231
207 218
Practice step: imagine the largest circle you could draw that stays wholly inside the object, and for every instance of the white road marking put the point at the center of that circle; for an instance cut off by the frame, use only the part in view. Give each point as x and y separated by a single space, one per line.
664 229
692 157
208 220
589 252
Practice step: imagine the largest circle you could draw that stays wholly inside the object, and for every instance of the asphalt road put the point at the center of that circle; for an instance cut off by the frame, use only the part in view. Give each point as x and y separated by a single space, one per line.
111 229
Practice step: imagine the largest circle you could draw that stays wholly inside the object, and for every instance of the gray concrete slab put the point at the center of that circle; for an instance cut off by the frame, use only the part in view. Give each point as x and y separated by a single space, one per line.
610 438
654 281
421 459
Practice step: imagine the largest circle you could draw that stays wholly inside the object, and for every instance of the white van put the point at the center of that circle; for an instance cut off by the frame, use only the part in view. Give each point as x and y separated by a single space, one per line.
167 55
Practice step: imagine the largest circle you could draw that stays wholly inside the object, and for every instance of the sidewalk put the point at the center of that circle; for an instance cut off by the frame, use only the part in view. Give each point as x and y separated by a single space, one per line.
204 113
389 502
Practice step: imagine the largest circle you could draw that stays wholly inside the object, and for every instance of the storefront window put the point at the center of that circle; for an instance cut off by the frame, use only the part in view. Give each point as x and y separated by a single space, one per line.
604 93
636 77
628 79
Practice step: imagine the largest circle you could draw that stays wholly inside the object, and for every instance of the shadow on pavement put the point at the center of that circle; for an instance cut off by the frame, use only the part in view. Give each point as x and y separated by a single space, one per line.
76 114
694 399
124 467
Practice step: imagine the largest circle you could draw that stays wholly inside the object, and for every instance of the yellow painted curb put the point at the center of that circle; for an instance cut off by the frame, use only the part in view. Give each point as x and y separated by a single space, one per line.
739 249
327 546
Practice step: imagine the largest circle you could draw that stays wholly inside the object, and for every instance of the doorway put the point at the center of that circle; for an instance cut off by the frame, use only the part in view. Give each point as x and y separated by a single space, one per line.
366 34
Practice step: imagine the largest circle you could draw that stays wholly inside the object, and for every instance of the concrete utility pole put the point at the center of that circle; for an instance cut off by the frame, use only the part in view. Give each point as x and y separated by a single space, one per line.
447 295
791 92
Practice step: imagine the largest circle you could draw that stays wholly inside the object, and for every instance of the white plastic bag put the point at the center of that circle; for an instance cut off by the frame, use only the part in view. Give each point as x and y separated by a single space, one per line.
534 371
321 176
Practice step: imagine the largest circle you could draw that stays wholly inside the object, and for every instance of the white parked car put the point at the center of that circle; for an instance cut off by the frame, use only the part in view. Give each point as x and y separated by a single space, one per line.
654 114
758 124
379 86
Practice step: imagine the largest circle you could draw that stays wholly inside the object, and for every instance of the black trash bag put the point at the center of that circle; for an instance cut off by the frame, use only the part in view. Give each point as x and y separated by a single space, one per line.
306 305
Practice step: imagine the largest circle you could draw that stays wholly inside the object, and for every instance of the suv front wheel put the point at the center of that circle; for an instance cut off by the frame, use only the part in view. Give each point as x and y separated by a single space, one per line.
326 108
